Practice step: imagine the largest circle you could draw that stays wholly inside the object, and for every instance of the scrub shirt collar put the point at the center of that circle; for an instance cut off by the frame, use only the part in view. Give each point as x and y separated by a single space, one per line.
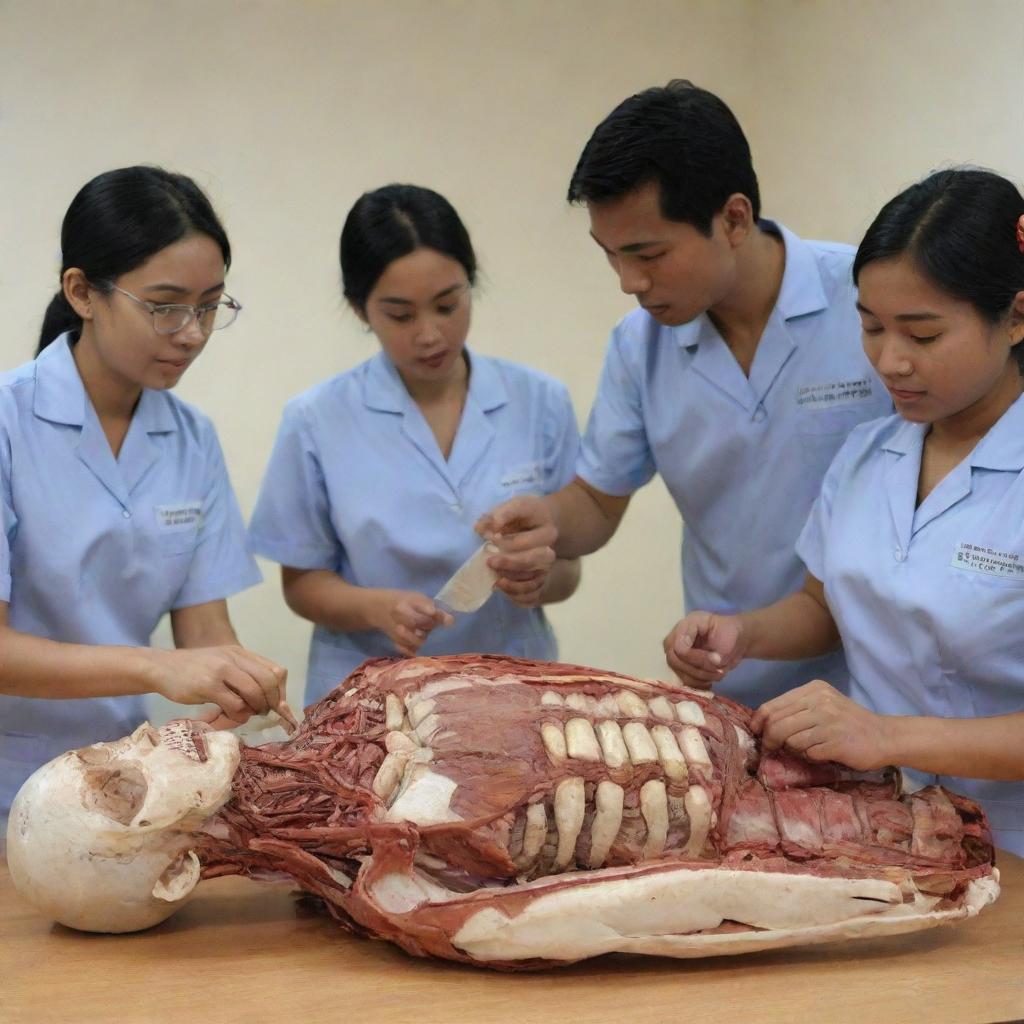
802 291
1001 449
385 391
60 394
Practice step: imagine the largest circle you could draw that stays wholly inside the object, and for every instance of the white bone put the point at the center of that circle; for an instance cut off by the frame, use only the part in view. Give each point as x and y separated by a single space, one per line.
698 808
746 742
389 774
692 744
690 713
425 799
661 708
631 705
554 742
580 741
607 821
654 808
427 728
672 912
580 702
608 706
669 754
639 743
419 710
551 699
100 839
397 741
394 712
612 744
534 834
570 808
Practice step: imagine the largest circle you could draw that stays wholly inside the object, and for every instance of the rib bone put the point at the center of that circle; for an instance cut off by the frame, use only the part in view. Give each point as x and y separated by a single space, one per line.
389 774
661 708
669 754
607 821
533 834
698 808
554 742
580 702
418 710
631 705
639 743
654 808
693 747
690 712
394 712
612 745
570 808
580 741
551 699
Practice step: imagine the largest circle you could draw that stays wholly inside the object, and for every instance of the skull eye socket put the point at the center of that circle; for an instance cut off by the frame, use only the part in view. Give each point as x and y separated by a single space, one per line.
96 754
116 793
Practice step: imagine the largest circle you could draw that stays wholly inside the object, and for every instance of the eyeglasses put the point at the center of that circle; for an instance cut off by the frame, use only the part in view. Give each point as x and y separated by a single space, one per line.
169 318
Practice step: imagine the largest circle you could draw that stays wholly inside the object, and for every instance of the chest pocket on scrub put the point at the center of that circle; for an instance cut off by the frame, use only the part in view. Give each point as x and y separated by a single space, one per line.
178 527
523 478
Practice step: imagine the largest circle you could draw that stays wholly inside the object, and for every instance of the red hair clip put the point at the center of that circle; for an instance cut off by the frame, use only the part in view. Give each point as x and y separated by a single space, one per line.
1020 232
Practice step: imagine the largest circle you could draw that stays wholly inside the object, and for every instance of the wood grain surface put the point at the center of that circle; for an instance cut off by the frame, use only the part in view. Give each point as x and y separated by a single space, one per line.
247 952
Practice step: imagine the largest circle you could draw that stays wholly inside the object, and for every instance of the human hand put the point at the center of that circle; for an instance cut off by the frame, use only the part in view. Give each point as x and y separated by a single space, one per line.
818 722
524 532
702 647
407 617
239 682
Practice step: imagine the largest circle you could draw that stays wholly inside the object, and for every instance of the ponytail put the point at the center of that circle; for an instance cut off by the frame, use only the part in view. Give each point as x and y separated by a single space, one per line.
58 318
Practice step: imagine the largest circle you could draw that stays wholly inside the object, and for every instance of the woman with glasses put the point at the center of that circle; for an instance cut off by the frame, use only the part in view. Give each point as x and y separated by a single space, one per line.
114 500
378 474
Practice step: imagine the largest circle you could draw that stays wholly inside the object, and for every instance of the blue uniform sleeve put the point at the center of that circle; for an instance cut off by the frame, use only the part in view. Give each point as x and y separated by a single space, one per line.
8 520
616 456
561 441
221 564
810 545
292 522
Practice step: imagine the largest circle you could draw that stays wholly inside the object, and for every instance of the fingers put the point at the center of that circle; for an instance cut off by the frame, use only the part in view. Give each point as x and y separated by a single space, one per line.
782 728
216 719
524 589
700 676
269 676
524 513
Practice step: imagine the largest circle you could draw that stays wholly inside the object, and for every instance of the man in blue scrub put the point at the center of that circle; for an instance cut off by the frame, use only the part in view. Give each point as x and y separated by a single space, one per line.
737 379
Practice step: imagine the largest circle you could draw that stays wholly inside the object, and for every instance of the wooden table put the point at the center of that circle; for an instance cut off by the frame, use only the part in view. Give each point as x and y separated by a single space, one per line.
246 952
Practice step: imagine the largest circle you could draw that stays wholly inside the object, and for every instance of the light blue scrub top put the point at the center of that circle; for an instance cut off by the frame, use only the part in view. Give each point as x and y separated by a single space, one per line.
742 457
357 485
929 600
95 550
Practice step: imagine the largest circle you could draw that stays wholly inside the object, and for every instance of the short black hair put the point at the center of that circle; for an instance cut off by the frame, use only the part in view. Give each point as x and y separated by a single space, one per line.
117 221
680 136
390 222
959 228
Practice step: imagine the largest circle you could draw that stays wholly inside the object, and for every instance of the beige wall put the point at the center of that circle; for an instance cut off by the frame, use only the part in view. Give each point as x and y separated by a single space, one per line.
285 111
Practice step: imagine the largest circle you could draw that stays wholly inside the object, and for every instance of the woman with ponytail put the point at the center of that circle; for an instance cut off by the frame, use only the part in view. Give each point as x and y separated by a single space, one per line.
915 547
115 504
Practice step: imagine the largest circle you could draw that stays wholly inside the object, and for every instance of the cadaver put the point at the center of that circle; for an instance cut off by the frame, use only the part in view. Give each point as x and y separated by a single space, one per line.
510 814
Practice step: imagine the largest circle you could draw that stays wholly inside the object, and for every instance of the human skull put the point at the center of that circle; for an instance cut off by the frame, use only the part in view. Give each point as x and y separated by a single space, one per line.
101 838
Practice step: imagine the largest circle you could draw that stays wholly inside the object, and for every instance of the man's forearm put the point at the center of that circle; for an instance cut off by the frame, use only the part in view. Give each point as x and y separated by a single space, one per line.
584 520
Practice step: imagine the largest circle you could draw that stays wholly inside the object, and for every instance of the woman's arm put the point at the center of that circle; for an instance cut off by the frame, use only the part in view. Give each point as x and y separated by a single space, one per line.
702 647
816 720
239 682
31 666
